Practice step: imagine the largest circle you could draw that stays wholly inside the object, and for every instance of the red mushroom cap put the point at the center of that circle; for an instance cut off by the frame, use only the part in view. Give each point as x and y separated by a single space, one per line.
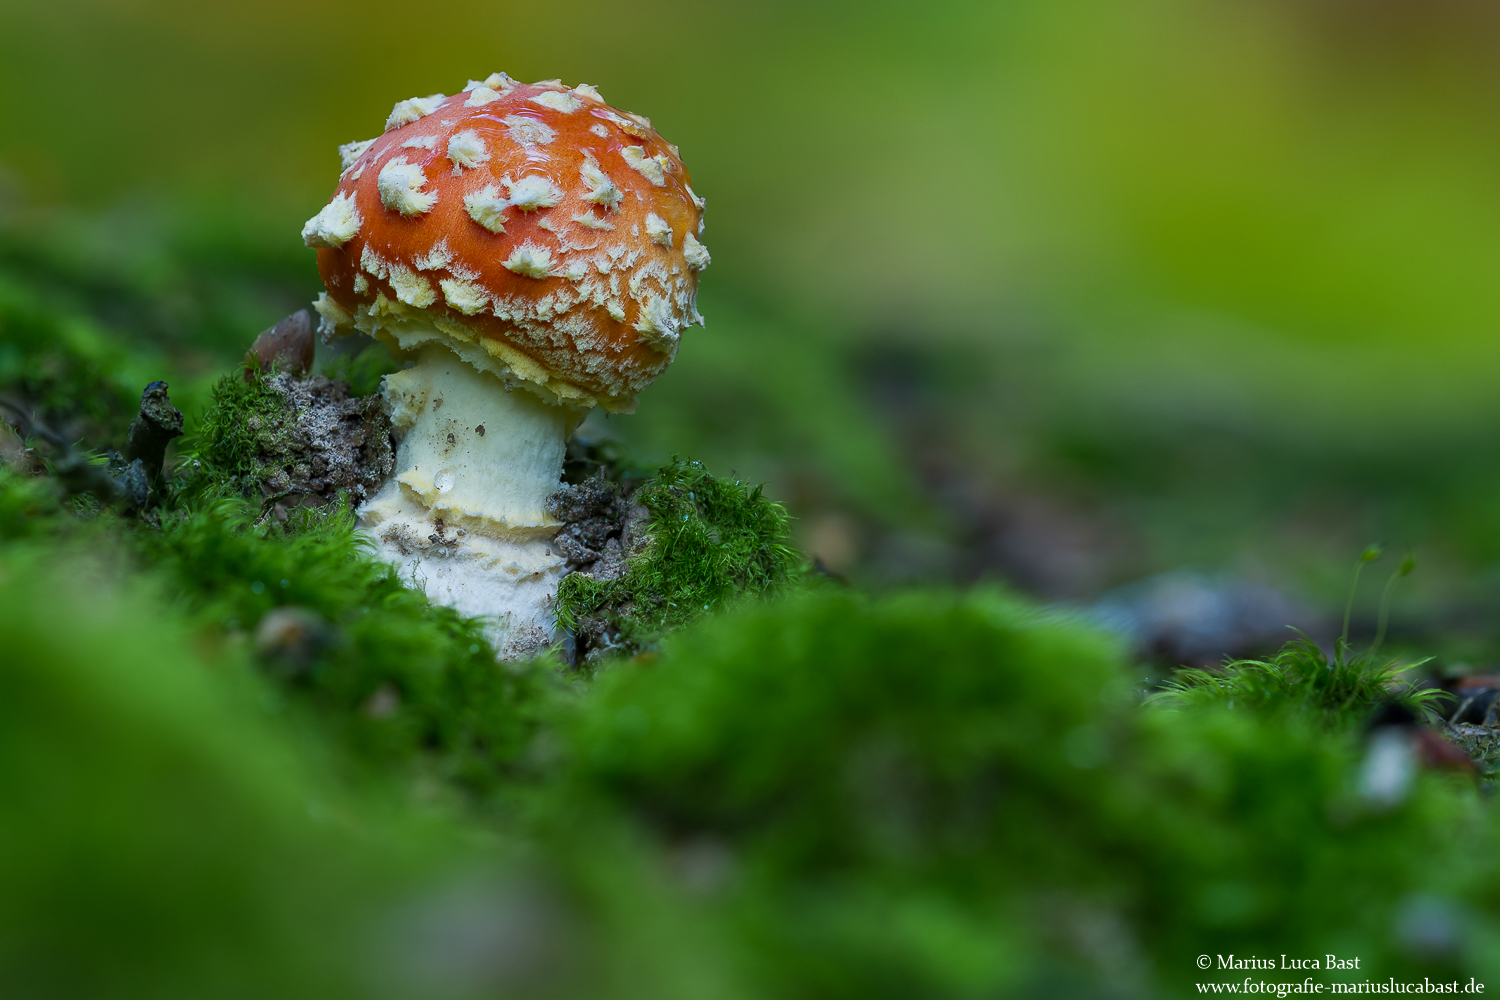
541 233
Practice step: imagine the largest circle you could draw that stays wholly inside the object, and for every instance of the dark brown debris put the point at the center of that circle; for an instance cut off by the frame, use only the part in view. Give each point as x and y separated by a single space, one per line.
130 482
153 428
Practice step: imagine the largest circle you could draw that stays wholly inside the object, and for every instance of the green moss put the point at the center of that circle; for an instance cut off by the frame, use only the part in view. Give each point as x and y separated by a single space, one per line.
246 421
28 506
1342 691
164 818
709 539
403 681
943 796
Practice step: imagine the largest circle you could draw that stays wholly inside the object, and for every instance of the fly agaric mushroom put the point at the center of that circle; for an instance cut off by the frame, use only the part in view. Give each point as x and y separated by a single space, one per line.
534 252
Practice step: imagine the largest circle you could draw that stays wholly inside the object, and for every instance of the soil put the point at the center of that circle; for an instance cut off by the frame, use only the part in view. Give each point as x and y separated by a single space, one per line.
603 528
336 442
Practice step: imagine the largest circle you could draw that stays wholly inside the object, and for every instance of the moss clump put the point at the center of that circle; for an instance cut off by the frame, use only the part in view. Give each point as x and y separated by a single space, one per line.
1342 690
246 421
404 682
942 796
160 819
306 440
708 539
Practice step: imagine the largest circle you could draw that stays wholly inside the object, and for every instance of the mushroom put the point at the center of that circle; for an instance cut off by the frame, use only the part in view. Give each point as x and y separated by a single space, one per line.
532 253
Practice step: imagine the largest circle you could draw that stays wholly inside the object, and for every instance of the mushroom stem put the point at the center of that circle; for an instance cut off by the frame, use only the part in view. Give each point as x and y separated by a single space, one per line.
464 515
474 448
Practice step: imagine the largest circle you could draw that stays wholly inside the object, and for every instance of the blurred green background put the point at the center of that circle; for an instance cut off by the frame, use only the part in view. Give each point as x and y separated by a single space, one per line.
1065 293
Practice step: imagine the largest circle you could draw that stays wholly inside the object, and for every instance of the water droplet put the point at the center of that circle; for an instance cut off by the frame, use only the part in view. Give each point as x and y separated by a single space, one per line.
257 587
443 482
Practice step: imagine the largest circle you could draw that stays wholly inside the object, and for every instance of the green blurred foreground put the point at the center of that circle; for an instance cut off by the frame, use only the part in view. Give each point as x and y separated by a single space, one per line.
923 795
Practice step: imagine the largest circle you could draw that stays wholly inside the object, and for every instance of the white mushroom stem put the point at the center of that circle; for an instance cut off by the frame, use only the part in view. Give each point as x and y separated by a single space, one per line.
464 515
475 449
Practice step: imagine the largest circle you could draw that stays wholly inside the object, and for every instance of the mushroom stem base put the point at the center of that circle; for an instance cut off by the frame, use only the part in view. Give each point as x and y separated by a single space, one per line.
464 516
511 583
